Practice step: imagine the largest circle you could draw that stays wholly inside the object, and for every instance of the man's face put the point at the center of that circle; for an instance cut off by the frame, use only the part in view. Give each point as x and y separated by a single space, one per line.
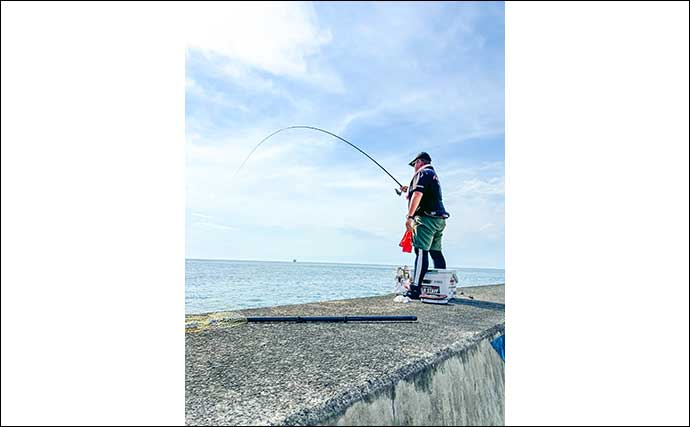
418 164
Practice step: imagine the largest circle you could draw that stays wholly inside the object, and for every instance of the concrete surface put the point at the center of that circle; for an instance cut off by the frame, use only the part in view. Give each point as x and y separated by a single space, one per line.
467 389
347 373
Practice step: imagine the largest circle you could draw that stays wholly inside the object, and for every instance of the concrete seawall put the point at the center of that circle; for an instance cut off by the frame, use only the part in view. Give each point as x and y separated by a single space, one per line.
465 389
440 370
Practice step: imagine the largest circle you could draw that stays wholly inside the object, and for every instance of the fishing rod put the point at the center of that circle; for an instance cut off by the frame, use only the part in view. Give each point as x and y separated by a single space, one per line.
329 319
329 133
198 323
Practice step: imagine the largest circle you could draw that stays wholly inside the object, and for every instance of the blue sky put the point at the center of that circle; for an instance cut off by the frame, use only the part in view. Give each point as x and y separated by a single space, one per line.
393 78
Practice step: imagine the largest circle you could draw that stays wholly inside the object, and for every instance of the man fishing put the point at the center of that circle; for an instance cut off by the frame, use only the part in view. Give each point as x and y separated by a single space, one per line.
426 218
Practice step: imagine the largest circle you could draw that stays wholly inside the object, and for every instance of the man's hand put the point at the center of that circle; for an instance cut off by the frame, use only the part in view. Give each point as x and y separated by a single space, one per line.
403 188
409 224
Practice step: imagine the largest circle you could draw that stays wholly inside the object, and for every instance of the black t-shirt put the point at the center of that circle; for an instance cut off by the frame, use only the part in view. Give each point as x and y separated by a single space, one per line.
426 181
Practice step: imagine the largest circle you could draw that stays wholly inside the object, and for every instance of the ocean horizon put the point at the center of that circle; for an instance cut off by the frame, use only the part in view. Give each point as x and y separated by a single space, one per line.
221 285
332 262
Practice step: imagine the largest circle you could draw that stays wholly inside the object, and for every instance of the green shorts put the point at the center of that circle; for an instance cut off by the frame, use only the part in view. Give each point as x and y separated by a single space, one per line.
428 233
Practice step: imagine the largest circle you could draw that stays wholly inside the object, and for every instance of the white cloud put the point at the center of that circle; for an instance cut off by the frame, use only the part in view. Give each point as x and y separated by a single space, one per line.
200 215
485 227
479 187
406 103
212 225
278 37
218 98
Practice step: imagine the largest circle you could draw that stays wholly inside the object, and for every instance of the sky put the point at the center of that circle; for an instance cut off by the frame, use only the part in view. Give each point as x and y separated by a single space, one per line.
393 78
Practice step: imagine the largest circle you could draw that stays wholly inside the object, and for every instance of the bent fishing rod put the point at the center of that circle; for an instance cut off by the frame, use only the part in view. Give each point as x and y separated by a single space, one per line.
329 133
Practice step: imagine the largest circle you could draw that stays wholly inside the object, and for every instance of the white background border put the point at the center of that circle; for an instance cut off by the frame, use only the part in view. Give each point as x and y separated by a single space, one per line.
597 213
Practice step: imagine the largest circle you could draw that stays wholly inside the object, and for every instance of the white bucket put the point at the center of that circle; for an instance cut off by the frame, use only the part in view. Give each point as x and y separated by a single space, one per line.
438 286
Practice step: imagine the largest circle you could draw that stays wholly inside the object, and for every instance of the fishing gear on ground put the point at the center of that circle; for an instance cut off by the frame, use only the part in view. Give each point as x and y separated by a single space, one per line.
197 323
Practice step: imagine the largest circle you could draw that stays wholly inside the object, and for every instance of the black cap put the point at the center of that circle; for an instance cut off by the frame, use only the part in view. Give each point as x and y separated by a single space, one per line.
421 156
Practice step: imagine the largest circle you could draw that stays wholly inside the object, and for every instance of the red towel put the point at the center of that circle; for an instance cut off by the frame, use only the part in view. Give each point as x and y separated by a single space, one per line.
406 242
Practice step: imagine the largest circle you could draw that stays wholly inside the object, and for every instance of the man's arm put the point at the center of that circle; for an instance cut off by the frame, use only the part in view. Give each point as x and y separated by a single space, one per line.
415 198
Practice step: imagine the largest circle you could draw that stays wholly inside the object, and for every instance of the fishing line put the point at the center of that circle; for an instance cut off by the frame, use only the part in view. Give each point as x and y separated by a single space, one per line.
329 133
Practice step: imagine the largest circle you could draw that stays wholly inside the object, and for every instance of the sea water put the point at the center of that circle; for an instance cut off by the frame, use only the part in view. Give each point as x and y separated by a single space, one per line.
219 285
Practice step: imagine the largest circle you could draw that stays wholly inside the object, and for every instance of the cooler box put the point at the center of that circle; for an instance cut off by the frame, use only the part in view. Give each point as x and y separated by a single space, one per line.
438 286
